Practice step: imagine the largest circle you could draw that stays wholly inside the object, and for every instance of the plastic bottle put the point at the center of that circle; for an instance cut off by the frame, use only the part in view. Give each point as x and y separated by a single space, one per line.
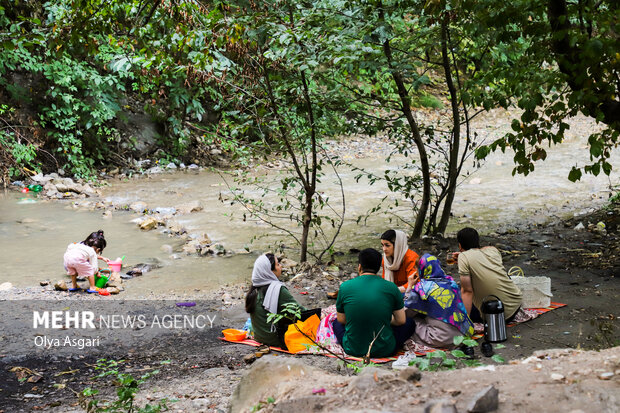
35 188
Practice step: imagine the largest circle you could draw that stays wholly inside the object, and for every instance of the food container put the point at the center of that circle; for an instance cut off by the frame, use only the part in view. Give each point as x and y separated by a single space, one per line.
234 335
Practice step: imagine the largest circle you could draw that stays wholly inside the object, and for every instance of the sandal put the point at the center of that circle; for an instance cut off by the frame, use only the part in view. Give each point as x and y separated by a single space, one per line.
74 290
95 291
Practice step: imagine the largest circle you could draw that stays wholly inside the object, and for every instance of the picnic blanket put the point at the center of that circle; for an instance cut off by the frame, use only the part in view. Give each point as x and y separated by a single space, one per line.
325 336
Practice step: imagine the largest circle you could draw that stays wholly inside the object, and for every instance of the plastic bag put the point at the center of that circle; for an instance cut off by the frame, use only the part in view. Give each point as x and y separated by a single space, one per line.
295 340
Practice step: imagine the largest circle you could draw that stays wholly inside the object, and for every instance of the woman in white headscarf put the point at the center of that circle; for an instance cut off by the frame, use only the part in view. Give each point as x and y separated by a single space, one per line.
267 295
399 262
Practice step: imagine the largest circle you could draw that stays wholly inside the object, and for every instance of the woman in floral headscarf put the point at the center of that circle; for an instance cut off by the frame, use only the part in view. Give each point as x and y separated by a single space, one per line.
440 312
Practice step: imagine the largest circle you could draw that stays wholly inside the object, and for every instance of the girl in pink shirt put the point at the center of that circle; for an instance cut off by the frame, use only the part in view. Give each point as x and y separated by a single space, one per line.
81 259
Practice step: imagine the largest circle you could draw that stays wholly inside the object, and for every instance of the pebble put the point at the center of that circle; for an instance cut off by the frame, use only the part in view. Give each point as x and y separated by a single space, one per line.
6 286
606 376
557 377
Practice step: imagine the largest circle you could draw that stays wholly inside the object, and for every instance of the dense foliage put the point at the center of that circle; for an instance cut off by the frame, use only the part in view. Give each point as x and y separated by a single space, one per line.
281 76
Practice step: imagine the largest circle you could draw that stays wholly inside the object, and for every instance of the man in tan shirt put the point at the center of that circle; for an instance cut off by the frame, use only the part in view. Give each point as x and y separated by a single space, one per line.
482 274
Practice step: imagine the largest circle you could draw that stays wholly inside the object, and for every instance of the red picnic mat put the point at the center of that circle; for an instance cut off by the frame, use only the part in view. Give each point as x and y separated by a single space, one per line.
254 343
419 351
535 312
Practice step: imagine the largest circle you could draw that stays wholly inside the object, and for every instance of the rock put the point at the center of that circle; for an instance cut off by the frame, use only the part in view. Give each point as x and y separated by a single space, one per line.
487 400
39 178
44 283
201 404
203 239
411 373
189 207
191 247
606 376
249 358
274 375
288 263
61 285
138 206
113 290
115 280
175 228
369 379
557 377
6 286
149 223
165 211
33 396
440 406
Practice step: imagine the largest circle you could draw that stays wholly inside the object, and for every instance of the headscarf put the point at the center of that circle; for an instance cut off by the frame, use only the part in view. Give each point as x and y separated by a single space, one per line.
437 295
262 275
393 263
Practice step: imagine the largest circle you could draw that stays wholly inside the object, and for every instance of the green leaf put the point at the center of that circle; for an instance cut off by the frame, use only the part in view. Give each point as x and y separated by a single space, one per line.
470 343
574 175
458 353
498 359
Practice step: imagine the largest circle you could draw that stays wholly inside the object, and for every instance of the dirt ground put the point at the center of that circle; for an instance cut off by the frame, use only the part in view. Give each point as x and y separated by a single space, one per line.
201 372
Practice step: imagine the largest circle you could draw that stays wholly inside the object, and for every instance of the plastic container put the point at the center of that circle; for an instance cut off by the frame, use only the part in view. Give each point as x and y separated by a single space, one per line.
115 266
102 280
234 335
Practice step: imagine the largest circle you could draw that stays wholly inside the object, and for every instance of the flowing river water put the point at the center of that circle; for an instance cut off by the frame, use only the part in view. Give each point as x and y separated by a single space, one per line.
34 236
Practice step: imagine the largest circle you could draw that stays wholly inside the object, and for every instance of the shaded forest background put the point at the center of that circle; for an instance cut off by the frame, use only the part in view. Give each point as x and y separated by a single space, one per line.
80 79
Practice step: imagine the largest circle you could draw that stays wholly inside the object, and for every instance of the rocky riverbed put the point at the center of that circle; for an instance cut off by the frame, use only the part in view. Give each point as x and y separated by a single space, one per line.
202 372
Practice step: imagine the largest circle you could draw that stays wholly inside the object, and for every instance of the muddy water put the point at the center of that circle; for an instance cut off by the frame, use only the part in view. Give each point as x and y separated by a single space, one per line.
34 236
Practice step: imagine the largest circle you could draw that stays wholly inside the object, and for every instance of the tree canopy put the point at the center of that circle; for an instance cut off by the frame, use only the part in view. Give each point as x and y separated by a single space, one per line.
281 76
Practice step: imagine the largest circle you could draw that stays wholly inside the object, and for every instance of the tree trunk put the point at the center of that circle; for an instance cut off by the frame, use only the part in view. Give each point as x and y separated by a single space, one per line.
406 108
306 226
456 132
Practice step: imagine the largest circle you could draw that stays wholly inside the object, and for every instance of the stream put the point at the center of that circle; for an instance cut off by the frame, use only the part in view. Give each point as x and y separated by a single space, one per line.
34 235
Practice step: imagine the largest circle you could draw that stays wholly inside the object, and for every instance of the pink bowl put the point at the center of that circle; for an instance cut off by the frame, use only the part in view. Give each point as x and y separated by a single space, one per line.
115 266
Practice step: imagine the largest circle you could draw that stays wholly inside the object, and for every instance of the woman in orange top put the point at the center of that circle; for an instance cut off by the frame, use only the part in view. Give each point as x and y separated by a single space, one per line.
399 262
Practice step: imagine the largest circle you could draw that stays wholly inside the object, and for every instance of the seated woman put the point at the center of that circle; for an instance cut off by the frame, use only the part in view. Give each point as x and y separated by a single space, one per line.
398 260
437 303
267 295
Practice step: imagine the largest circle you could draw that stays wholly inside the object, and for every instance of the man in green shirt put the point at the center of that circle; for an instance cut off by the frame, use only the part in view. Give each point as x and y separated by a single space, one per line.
371 310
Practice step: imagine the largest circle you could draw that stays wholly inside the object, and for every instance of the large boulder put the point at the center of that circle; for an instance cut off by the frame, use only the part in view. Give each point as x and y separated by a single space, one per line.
274 376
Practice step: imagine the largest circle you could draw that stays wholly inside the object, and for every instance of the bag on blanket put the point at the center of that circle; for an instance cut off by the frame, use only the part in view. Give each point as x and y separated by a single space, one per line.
282 326
295 339
536 290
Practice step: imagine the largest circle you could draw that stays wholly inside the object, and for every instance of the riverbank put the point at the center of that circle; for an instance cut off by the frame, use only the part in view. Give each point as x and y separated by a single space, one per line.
202 372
